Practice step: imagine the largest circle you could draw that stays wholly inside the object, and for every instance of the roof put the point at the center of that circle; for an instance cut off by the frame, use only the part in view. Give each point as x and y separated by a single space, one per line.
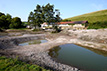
45 23
74 22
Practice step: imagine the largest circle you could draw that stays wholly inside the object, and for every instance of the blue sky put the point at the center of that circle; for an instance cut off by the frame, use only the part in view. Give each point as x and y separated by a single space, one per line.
68 8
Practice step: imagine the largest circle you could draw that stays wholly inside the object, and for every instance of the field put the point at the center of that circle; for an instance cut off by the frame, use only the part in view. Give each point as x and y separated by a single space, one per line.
96 19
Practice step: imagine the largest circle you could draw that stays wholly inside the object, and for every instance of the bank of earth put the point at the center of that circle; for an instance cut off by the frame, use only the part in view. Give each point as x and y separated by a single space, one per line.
38 53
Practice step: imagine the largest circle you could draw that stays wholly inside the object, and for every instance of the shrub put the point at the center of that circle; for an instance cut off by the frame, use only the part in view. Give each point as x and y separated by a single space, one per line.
16 23
56 29
98 25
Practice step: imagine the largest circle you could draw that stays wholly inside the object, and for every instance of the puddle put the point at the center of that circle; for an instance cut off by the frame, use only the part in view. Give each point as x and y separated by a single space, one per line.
80 57
33 42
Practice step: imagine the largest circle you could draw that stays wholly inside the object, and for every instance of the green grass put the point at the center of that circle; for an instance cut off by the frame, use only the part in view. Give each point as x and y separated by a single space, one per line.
9 64
91 17
18 30
98 16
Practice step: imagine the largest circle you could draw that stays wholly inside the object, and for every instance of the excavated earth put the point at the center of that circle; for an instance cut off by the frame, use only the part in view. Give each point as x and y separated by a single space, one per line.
38 53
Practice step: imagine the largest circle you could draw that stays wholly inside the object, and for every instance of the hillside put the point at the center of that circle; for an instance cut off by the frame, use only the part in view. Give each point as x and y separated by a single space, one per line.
93 18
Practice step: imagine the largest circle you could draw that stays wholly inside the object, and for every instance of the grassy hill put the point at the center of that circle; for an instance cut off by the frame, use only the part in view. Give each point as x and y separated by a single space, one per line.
96 19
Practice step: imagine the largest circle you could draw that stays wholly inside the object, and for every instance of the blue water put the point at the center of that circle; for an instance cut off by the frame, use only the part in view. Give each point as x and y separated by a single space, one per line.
33 42
85 59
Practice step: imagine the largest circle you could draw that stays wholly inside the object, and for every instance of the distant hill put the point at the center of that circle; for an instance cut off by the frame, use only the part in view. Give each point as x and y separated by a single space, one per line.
92 18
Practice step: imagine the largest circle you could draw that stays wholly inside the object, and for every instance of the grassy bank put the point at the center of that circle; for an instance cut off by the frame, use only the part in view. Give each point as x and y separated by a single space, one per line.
9 64
96 19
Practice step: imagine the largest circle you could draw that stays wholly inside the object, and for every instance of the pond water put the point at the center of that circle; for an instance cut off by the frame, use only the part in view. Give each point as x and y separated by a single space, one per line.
2 34
80 57
33 42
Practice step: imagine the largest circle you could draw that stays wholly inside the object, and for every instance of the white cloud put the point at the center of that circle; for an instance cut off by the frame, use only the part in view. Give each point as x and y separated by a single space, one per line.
97 6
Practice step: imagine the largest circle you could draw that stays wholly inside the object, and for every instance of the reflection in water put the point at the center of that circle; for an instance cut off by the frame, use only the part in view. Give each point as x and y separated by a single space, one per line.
84 58
54 52
100 52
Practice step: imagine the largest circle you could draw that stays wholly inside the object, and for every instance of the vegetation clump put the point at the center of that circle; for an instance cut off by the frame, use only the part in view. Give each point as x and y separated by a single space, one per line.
9 64
98 25
7 22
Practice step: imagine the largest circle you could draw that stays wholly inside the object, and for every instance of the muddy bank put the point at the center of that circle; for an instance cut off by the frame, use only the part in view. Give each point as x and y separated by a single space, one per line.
92 35
91 38
89 44
9 42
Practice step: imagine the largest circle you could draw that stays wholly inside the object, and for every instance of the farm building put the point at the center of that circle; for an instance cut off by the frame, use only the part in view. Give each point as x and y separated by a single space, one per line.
46 26
78 25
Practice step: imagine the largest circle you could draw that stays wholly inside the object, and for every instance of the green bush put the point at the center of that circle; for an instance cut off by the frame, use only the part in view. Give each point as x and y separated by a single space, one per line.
98 25
56 29
16 23
5 21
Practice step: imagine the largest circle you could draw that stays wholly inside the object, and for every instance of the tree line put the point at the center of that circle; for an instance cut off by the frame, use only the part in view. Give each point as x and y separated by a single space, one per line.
6 22
40 15
43 14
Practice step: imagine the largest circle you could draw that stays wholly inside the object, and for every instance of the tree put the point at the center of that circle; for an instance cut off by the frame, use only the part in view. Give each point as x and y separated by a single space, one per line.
57 20
31 19
8 20
5 20
48 11
38 16
2 21
51 15
35 19
44 14
1 14
16 23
